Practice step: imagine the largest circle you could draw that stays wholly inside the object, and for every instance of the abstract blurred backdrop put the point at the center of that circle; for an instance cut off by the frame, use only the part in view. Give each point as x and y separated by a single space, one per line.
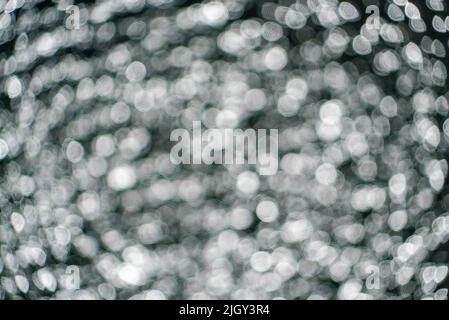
93 208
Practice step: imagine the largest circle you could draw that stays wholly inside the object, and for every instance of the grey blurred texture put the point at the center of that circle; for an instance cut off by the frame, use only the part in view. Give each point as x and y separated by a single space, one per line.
357 210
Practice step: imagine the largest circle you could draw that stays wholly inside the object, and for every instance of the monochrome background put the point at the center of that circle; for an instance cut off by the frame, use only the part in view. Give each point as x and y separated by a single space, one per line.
90 94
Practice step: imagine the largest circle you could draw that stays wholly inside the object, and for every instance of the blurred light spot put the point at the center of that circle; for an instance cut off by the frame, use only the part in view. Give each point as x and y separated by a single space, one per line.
275 58
267 211
122 177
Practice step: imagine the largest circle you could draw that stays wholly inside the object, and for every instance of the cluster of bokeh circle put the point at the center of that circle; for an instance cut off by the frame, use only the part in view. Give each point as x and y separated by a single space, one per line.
86 179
